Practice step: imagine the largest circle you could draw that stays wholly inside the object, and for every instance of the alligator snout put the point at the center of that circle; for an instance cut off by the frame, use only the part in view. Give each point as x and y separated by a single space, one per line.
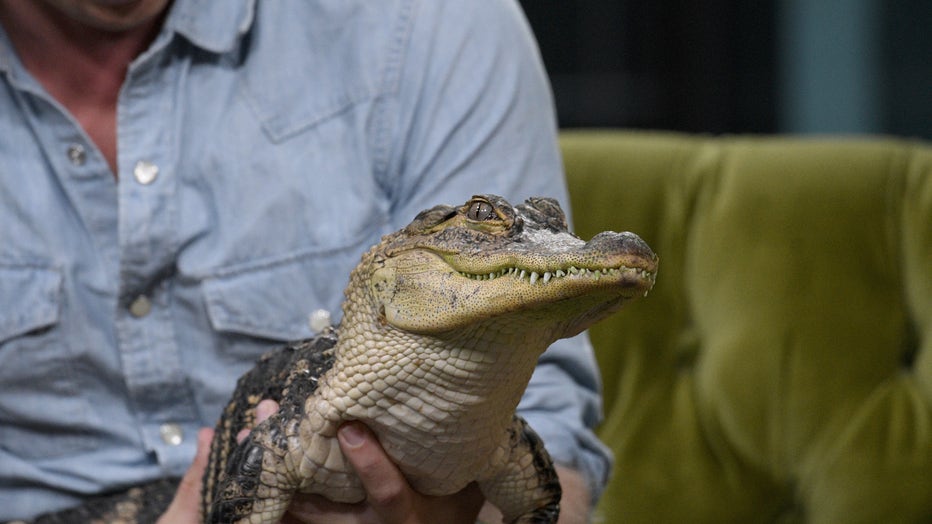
626 244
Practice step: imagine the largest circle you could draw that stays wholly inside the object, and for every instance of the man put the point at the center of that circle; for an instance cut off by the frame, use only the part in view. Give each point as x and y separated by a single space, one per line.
183 184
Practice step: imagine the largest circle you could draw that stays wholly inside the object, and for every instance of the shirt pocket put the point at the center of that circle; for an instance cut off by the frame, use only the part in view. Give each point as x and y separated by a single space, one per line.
43 413
29 300
274 300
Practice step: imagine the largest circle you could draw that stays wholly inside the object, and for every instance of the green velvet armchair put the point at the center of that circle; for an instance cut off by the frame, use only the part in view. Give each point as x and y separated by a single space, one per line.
781 369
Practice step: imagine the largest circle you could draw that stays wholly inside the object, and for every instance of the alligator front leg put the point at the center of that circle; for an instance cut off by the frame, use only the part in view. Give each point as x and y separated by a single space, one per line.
526 488
255 487
254 480
279 459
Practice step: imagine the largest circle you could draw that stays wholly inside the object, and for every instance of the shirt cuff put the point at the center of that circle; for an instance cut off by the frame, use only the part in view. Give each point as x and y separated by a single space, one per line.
563 405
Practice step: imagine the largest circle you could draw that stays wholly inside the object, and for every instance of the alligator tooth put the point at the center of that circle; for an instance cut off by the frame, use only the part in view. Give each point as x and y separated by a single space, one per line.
547 276
560 273
533 277
573 271
521 276
492 275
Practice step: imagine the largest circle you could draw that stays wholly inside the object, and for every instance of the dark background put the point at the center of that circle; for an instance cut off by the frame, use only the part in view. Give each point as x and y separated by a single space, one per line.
740 66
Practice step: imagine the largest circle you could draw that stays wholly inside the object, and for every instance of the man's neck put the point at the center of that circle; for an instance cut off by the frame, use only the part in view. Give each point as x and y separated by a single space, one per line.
82 67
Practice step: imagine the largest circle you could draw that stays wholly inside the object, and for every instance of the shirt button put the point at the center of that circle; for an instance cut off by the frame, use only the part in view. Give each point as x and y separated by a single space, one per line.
145 172
76 154
319 320
140 307
171 434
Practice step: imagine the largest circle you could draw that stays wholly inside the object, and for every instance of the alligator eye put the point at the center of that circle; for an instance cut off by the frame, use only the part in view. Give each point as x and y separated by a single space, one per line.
480 211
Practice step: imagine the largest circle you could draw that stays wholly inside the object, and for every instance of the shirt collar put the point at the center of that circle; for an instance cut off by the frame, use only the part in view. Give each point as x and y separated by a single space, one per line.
7 58
215 26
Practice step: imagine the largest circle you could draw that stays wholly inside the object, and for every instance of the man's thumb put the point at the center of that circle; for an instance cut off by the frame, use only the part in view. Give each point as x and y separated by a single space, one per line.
185 507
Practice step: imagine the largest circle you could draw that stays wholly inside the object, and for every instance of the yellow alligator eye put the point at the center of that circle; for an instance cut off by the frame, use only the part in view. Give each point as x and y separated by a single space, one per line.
480 211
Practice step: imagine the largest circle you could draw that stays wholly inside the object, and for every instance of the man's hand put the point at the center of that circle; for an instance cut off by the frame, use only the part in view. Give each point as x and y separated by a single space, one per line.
390 499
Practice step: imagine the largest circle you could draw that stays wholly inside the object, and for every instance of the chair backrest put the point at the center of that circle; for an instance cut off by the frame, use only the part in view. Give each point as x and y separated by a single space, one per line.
781 369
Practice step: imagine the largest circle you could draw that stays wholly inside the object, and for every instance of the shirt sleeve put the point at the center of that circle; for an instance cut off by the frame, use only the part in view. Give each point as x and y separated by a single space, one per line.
473 114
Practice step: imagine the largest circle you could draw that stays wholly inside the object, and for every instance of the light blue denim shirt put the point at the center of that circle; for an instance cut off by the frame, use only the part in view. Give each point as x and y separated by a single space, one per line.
262 147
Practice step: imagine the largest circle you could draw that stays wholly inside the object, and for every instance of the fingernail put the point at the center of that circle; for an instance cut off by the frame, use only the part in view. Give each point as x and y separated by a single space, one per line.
352 435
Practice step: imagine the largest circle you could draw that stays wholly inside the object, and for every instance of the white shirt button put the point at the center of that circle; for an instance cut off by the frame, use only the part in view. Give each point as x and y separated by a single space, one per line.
171 434
319 320
76 154
140 307
145 172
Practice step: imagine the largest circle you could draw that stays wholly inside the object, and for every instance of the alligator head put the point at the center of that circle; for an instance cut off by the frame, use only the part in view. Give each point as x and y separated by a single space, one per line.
487 260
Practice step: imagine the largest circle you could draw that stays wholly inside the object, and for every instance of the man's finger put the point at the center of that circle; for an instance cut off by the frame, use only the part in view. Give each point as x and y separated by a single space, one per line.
264 410
191 482
388 492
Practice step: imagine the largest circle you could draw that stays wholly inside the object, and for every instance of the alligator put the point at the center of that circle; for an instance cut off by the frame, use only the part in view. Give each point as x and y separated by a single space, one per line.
443 323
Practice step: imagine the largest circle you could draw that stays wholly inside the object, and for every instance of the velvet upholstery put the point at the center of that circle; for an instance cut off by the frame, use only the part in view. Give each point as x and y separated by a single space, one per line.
781 369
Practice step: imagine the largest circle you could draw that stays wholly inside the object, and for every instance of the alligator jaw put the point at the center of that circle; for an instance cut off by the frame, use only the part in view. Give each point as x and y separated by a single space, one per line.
424 291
